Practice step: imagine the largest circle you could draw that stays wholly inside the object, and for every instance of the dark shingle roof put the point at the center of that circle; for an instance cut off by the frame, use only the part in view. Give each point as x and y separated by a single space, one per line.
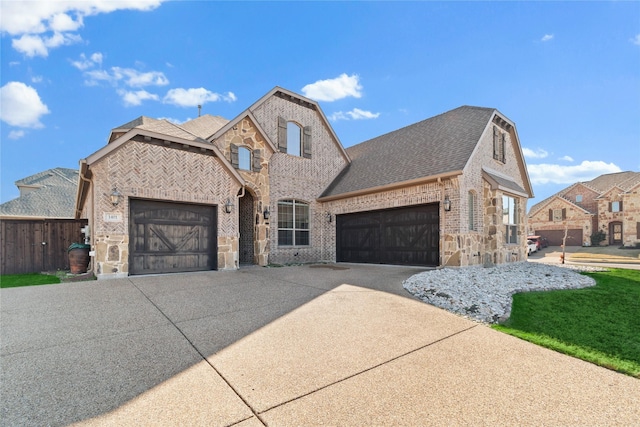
431 147
53 197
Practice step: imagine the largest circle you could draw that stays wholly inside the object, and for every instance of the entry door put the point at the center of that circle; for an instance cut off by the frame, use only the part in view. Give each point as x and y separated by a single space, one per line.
171 237
616 233
402 236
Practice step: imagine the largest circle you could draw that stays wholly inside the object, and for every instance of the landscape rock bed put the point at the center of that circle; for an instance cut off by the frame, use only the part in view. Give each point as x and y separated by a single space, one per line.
485 293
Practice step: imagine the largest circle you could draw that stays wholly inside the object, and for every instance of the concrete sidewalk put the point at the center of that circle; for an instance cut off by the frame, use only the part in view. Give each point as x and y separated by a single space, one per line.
325 345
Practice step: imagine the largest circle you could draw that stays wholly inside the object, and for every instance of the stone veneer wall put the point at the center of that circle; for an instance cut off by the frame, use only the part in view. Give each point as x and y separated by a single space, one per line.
293 177
148 171
629 216
486 244
247 135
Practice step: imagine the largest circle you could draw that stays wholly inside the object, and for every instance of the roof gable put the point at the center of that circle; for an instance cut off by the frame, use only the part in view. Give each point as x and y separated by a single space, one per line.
438 146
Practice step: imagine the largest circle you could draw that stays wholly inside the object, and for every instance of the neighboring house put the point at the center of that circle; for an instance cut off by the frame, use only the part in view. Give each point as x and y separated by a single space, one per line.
49 194
275 186
608 204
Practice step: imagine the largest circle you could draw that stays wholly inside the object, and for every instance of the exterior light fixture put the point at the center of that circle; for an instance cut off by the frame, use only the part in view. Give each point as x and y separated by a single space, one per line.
328 216
446 204
228 206
115 197
266 214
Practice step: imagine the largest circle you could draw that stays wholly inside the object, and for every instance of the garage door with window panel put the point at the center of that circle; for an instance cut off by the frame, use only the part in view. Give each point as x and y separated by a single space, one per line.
401 236
171 237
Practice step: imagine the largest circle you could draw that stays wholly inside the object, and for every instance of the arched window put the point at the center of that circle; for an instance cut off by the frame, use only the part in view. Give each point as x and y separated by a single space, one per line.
244 158
293 223
294 138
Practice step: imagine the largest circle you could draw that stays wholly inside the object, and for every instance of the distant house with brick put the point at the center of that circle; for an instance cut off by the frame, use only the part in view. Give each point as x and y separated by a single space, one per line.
607 205
274 185
49 194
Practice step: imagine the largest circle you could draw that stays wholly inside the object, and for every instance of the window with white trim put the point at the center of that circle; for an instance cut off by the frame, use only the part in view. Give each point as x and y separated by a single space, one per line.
293 223
294 138
510 218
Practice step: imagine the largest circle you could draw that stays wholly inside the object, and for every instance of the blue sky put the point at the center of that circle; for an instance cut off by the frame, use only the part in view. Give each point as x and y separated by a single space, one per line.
567 73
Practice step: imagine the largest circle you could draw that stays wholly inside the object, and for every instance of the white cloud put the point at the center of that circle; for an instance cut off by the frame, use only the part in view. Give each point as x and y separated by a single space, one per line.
566 158
636 40
355 114
128 76
134 78
558 174
37 79
538 153
195 96
21 105
175 121
40 25
546 38
16 134
334 89
85 63
135 98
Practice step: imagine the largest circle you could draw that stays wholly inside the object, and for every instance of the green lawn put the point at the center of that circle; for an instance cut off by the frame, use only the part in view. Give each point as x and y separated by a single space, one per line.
600 324
29 279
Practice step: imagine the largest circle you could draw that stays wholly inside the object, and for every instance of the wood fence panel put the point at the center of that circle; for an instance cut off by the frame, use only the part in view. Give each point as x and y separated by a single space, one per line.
29 246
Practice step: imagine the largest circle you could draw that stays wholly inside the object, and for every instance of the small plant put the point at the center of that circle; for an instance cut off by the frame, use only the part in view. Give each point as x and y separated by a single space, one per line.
597 238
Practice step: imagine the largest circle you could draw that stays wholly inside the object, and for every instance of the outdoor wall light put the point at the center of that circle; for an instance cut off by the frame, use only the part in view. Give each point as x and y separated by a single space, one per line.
328 216
446 204
266 214
228 206
115 197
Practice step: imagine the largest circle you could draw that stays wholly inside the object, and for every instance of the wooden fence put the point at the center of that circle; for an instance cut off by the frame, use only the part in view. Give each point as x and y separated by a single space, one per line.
29 246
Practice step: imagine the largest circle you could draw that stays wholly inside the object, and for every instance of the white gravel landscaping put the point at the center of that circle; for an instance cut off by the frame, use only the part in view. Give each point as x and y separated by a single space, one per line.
484 293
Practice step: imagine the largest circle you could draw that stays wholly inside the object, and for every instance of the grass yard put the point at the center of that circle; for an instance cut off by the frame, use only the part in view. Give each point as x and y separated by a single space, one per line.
28 279
600 324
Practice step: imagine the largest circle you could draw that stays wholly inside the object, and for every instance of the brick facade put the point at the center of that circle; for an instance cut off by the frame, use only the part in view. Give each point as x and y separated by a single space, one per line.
146 167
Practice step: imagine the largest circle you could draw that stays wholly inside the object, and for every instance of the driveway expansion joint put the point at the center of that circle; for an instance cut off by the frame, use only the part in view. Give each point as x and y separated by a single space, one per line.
202 356
386 362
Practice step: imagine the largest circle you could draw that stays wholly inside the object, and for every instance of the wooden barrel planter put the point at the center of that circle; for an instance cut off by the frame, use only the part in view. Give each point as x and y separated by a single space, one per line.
78 258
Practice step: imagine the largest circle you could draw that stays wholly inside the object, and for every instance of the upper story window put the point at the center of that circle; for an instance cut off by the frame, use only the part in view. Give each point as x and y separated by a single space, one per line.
499 144
579 198
558 215
615 207
294 139
293 223
245 159
510 218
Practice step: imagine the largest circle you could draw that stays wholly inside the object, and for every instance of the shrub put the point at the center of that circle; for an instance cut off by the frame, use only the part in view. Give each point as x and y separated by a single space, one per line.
597 238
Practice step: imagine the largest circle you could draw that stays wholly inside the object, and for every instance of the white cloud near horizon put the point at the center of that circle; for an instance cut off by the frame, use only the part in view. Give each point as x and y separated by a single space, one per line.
195 96
21 106
330 90
40 25
546 38
538 153
566 158
559 174
355 114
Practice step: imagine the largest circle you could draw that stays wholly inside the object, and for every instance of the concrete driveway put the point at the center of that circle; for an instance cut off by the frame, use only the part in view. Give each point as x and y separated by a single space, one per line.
310 345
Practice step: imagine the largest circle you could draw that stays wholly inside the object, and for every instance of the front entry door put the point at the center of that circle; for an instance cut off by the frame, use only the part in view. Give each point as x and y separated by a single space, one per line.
615 233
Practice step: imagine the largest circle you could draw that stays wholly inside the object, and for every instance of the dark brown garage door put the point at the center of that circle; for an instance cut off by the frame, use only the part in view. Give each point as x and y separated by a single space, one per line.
403 236
574 236
169 237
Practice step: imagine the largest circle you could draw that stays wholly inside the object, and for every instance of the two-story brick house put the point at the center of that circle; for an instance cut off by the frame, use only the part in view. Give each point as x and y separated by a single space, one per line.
608 204
275 185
